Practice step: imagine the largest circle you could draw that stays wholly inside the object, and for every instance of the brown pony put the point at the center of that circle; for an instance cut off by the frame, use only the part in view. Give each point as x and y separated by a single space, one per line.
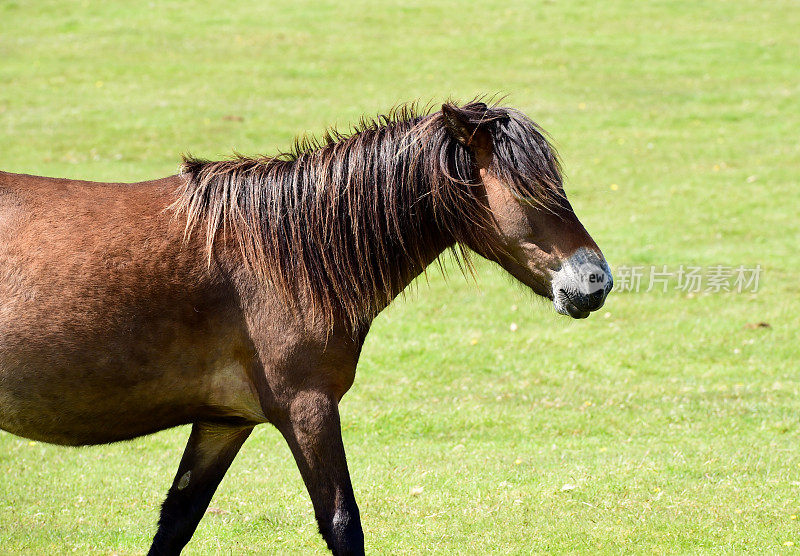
240 292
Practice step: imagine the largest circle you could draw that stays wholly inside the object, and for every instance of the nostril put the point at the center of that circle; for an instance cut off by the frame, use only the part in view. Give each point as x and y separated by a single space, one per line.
590 301
595 300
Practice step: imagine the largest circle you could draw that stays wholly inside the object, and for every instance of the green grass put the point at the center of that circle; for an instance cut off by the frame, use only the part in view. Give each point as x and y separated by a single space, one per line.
676 424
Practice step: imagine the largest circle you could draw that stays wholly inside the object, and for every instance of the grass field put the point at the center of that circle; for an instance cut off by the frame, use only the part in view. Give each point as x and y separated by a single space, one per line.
661 424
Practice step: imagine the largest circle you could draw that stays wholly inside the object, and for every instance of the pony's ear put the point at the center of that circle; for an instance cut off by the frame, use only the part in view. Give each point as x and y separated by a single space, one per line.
458 124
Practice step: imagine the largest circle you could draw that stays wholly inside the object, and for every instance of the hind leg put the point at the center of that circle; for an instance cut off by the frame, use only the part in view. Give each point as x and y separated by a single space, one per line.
208 455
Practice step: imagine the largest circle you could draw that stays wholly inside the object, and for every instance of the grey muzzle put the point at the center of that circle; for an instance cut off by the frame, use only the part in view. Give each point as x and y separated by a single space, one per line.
582 283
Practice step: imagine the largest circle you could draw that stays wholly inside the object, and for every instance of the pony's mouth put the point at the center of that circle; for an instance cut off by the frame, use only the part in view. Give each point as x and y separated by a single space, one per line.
576 313
564 305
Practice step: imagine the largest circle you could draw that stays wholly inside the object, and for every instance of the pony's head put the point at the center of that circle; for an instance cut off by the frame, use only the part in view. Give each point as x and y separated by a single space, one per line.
527 226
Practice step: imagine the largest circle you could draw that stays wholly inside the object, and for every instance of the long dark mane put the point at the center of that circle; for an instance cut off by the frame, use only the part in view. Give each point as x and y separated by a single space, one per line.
348 220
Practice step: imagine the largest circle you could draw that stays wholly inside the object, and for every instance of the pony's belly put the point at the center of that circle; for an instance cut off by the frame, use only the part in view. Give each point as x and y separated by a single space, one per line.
88 408
58 424
76 404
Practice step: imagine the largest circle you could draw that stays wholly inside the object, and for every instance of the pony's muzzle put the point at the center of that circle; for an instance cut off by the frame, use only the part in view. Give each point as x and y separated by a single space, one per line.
581 284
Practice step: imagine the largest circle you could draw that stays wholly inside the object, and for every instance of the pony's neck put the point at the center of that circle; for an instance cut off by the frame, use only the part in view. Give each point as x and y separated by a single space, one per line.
421 239
344 228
